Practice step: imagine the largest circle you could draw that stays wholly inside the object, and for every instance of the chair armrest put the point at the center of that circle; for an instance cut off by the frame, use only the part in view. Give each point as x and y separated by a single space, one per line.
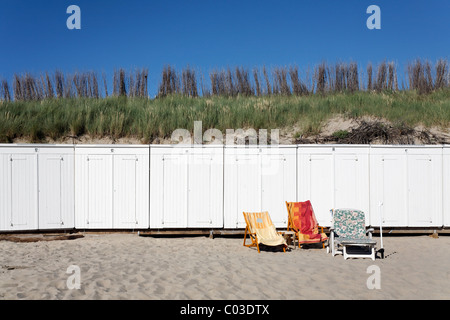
370 230
332 234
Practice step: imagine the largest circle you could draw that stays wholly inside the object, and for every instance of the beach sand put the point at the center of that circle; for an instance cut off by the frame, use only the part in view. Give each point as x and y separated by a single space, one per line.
128 266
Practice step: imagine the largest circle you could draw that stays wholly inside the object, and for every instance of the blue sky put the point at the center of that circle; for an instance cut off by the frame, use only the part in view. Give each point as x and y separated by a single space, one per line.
215 34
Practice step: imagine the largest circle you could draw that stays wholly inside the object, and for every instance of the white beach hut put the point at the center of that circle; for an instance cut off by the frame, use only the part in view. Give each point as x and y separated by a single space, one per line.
258 178
406 184
51 187
18 187
186 186
446 185
333 176
56 186
111 186
315 180
351 178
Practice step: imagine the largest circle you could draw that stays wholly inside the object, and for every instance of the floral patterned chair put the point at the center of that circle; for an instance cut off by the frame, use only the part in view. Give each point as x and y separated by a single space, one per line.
349 229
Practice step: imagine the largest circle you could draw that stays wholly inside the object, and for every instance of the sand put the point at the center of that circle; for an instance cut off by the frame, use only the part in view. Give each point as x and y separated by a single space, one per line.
128 266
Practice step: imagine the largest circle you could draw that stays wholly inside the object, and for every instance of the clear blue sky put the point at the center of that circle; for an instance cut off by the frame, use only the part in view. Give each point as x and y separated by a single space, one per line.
210 34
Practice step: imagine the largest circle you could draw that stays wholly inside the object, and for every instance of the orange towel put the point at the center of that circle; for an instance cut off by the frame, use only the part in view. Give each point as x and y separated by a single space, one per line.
305 222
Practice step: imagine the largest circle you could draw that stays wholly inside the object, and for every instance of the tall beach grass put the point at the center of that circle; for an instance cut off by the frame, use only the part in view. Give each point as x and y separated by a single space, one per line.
58 105
146 119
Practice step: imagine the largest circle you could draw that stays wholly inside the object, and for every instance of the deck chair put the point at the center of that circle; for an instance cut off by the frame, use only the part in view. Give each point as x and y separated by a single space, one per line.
302 220
261 230
349 230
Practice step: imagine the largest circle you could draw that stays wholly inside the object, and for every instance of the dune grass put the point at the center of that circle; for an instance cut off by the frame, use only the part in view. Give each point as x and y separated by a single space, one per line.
145 119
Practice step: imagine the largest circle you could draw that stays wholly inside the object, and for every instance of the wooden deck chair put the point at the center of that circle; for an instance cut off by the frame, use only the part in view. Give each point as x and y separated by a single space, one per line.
261 230
302 220
250 232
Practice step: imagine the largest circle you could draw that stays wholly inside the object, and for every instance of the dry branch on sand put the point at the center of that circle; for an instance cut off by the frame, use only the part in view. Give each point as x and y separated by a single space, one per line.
373 132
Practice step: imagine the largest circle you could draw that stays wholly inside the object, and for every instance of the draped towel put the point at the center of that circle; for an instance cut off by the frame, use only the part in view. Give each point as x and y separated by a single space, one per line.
305 222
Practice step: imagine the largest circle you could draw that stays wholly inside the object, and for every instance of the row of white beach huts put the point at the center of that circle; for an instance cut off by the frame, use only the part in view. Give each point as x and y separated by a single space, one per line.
48 187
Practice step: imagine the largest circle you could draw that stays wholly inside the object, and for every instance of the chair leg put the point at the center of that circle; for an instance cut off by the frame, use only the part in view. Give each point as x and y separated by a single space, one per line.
331 243
298 240
245 236
323 242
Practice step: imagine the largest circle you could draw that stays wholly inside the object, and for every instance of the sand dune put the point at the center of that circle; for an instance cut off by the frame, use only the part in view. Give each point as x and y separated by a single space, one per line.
126 266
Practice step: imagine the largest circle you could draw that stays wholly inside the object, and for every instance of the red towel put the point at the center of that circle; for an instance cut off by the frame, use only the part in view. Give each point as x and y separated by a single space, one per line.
305 222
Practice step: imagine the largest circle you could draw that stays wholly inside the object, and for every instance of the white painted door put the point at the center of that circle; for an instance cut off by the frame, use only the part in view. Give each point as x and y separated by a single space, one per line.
446 187
351 182
99 191
278 185
424 187
126 191
201 191
23 193
346 181
248 187
174 202
392 188
316 183
51 188
5 196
